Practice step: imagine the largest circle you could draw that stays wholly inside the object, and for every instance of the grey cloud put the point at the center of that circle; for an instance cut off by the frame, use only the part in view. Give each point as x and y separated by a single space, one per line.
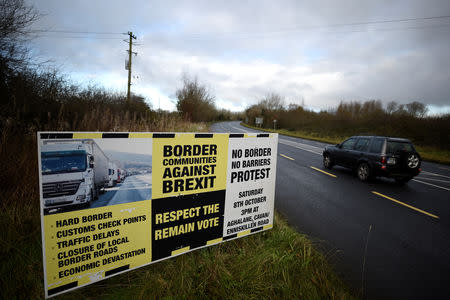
245 49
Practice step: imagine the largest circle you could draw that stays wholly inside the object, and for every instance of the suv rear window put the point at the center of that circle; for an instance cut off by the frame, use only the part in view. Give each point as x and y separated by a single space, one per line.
394 146
376 146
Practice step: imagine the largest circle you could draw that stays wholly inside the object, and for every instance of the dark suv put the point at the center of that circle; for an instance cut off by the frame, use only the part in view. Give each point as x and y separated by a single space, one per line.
374 156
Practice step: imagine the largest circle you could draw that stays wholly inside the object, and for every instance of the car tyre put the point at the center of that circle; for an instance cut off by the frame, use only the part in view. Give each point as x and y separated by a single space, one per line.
412 161
363 171
327 163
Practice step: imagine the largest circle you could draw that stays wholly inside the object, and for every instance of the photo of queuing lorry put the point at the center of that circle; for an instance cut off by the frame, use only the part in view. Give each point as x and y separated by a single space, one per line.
121 174
112 172
73 172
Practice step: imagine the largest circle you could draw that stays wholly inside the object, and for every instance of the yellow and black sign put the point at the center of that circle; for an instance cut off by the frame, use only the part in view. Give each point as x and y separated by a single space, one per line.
113 202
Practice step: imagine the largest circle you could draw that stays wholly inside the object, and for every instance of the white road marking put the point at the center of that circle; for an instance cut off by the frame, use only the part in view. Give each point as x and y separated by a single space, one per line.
297 145
305 147
238 129
112 189
320 148
427 183
293 144
433 179
435 174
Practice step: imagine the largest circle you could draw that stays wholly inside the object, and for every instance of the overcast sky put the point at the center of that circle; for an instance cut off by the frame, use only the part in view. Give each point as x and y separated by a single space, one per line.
242 50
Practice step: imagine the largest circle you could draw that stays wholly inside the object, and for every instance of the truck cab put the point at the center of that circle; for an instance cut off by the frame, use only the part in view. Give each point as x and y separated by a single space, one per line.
73 172
67 174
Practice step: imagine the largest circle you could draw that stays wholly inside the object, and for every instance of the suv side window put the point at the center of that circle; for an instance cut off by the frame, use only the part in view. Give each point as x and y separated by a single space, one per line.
348 144
376 146
361 144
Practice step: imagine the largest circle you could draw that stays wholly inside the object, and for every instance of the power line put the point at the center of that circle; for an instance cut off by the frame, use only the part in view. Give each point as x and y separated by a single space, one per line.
44 33
272 33
294 28
77 37
397 28
76 32
252 35
390 21
302 28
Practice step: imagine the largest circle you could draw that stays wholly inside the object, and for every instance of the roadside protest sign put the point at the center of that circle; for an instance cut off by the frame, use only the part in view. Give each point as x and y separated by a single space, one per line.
114 202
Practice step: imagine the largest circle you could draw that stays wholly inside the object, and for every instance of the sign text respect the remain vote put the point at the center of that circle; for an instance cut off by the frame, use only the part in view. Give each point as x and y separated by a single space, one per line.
114 202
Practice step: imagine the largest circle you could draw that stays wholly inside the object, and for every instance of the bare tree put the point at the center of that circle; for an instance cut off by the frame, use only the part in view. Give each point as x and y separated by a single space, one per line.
15 18
272 102
416 109
195 101
391 107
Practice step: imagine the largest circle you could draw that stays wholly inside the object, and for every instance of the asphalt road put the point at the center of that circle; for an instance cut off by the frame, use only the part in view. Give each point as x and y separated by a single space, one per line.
385 240
134 188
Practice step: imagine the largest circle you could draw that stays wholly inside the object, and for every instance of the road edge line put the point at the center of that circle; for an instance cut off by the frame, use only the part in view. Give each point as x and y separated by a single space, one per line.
317 169
285 156
404 204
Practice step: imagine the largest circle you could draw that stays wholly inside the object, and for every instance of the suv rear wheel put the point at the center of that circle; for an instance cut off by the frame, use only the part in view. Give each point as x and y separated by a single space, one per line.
412 161
363 171
327 163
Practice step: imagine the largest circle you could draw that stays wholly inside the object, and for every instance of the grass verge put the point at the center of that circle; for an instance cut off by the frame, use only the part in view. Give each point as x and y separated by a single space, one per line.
279 263
427 153
276 264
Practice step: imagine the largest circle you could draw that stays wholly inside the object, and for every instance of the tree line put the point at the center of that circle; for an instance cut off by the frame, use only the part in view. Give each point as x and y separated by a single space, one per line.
356 118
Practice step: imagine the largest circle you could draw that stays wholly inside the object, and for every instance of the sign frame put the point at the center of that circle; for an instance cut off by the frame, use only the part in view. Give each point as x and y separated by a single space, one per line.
246 160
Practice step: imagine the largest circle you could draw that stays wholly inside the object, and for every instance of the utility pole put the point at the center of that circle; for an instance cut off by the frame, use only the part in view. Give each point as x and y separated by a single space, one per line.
129 63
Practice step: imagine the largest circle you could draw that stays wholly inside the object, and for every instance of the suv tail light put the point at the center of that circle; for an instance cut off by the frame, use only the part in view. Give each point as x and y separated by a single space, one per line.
383 163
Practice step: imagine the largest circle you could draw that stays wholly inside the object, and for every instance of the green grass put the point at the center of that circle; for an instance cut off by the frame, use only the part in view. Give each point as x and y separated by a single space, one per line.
279 263
434 155
428 153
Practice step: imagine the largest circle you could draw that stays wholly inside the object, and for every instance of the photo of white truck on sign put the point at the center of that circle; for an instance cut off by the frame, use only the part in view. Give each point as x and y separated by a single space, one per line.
85 173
